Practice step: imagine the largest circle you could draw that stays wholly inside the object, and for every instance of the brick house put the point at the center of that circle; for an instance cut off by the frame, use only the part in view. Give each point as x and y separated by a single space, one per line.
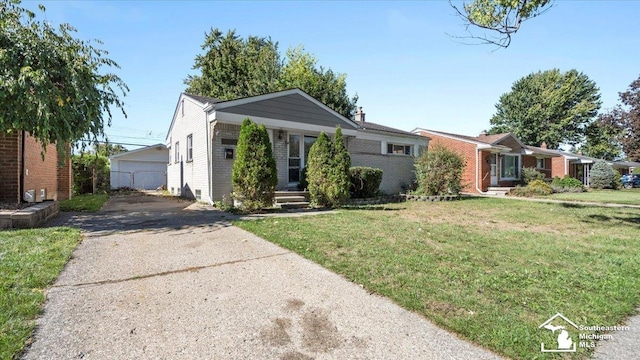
492 161
203 136
23 170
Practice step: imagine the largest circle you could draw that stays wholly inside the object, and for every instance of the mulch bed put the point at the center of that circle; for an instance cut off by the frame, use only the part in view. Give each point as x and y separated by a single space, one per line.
14 206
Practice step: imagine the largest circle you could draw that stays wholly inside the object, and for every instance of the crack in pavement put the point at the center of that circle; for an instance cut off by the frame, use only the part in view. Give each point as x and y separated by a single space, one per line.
170 272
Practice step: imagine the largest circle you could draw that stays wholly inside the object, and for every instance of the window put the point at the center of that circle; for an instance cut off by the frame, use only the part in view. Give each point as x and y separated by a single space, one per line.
510 167
190 147
540 164
399 149
198 195
169 154
177 159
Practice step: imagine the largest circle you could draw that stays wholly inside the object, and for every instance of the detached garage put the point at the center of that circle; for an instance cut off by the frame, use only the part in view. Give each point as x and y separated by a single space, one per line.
144 168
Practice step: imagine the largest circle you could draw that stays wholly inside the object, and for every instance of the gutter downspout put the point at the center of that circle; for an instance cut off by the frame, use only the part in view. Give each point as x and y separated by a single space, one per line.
21 184
477 166
209 156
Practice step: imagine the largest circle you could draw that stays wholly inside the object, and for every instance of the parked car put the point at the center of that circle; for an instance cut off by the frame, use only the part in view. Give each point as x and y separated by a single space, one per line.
630 180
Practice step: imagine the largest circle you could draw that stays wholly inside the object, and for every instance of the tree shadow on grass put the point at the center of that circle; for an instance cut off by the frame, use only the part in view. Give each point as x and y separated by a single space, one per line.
613 220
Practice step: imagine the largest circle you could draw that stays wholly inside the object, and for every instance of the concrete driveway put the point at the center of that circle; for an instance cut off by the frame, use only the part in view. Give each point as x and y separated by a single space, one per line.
163 279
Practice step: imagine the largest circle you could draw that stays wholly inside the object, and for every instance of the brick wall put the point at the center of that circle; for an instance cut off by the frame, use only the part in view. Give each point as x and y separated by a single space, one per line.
40 173
222 168
65 176
558 166
10 167
468 153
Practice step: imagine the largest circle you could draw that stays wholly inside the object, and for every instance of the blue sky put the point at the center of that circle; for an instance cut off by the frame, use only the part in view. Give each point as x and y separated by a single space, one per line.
397 55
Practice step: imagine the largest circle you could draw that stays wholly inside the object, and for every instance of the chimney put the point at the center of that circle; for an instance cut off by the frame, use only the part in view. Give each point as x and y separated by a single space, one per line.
359 114
543 145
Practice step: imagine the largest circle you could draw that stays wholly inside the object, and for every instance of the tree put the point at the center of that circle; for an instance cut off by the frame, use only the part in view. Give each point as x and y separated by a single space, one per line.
301 71
502 18
52 84
602 176
341 175
625 118
319 170
602 139
232 68
550 106
108 149
439 171
254 174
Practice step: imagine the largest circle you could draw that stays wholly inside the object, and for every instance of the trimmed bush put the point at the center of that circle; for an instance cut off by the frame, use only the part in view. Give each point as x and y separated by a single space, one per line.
254 173
566 184
439 172
529 174
365 181
602 176
535 187
328 176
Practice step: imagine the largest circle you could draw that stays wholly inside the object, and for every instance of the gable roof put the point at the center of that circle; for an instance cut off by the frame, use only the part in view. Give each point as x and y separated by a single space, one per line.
365 125
203 99
127 153
534 150
485 141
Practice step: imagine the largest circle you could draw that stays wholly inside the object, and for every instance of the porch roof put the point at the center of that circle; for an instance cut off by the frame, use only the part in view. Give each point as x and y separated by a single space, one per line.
537 151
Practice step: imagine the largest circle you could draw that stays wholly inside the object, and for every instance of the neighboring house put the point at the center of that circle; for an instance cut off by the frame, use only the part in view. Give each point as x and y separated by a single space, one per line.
579 166
492 161
26 176
203 137
144 168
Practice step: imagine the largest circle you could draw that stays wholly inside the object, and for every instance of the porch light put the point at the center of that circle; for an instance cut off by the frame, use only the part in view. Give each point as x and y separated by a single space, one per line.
280 134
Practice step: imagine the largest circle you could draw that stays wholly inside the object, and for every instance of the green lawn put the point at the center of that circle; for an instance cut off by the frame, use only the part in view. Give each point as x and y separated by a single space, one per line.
491 270
84 202
30 261
623 196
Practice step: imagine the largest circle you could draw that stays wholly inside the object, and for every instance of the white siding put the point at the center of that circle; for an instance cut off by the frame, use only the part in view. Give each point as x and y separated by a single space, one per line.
185 177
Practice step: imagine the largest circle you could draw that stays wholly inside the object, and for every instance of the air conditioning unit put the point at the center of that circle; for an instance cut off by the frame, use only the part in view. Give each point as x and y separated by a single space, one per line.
43 194
29 196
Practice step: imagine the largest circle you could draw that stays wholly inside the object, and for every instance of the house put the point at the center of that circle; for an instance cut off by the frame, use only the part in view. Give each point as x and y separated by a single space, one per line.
144 168
203 136
492 161
579 166
26 175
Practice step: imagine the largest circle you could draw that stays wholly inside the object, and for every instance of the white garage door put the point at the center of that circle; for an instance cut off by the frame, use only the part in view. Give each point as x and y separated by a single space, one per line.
144 174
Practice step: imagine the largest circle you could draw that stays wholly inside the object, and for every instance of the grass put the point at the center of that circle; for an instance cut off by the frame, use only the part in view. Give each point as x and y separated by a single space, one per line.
622 196
30 261
491 270
84 203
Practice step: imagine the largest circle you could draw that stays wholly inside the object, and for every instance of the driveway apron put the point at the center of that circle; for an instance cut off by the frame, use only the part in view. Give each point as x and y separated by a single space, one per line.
157 278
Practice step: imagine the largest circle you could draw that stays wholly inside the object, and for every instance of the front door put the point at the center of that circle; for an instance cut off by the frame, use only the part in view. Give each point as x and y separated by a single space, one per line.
494 169
298 153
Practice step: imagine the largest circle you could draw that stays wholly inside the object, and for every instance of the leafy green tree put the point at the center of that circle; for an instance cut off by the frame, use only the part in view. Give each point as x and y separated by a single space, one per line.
550 106
501 18
53 85
91 173
602 139
233 67
341 176
301 71
254 175
108 149
625 119
319 170
439 171
603 176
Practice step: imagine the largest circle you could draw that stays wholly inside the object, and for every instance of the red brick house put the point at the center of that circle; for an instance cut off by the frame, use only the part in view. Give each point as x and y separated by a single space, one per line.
492 161
23 170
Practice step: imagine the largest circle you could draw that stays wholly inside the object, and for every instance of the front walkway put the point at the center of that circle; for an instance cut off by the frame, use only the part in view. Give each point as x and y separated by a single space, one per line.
172 280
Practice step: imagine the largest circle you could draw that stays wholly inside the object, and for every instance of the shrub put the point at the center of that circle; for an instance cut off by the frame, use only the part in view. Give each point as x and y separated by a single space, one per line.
327 175
365 181
83 171
566 184
529 174
439 171
617 181
254 173
602 176
535 187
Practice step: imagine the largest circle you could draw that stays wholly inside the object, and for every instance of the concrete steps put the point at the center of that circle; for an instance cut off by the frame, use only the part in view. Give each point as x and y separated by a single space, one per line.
499 191
292 199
